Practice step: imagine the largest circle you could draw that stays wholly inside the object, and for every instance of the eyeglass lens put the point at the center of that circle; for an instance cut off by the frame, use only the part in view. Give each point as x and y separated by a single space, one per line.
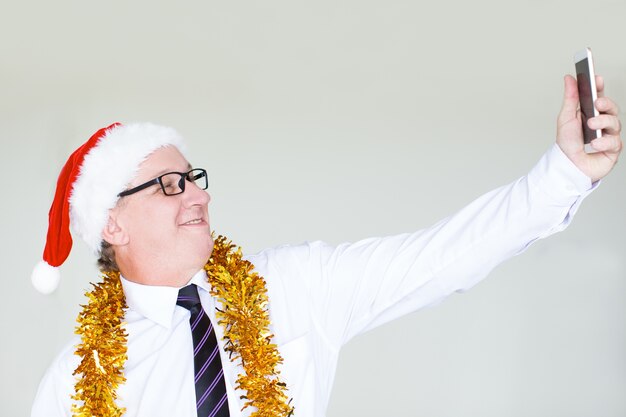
174 183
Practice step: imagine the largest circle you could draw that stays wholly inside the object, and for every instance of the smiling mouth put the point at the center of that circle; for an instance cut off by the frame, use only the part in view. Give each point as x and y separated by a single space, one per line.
190 222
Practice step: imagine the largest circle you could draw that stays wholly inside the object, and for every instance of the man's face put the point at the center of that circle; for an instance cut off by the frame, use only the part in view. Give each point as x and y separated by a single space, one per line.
172 233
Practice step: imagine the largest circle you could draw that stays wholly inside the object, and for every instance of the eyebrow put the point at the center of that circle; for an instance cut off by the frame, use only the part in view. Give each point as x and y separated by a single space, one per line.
165 171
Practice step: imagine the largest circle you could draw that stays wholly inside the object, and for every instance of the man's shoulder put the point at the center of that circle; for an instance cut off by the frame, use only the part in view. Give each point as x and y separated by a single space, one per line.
66 360
287 252
53 397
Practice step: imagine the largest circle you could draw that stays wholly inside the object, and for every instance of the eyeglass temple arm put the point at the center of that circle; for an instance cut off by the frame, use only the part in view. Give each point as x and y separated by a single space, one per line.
139 188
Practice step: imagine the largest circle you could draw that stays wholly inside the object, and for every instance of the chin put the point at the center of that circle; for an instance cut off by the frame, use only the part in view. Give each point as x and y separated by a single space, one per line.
209 250
198 252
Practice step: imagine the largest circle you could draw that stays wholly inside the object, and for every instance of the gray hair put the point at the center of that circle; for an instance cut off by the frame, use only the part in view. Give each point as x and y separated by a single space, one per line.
106 261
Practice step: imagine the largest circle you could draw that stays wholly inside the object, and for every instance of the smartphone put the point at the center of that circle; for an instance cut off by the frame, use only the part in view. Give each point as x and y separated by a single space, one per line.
587 95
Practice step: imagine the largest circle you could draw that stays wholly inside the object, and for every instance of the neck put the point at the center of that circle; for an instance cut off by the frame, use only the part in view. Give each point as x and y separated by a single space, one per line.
157 273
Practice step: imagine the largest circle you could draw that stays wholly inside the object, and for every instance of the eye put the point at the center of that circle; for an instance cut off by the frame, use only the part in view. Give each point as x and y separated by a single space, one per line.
169 183
169 186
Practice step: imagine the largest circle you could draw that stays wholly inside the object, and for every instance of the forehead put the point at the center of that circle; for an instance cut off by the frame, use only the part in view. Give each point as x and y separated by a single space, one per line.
162 160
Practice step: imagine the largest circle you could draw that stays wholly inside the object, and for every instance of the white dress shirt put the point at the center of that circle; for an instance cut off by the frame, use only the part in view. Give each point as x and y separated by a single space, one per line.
321 296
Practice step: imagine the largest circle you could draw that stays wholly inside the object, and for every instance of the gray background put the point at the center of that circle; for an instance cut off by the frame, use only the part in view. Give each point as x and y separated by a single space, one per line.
337 120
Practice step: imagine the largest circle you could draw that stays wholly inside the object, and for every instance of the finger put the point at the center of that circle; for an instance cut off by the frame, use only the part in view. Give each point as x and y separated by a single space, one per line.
606 105
610 124
570 99
608 144
600 85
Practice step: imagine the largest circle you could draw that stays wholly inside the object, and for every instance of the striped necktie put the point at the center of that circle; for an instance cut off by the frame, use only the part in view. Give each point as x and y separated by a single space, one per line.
211 400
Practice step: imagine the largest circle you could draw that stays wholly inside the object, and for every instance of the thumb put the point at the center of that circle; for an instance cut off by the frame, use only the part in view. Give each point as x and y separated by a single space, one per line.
570 99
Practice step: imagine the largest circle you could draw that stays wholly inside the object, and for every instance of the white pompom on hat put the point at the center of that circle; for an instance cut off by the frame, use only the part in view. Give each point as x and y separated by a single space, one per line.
88 188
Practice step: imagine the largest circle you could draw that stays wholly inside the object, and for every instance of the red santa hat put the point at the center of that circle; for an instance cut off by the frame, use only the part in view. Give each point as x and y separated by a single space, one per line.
88 186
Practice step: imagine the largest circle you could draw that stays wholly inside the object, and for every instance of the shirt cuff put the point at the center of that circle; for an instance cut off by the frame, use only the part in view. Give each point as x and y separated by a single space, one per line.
561 183
559 178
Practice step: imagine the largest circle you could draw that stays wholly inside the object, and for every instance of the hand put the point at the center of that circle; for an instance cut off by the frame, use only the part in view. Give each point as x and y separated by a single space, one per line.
569 132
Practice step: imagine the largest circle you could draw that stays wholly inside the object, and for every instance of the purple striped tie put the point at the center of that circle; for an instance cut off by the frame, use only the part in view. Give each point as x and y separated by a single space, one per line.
211 400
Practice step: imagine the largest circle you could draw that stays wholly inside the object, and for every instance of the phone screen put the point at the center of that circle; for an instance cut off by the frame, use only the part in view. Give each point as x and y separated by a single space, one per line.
585 95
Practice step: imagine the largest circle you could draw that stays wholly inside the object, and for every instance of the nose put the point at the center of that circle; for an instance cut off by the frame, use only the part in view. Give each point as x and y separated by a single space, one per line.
195 195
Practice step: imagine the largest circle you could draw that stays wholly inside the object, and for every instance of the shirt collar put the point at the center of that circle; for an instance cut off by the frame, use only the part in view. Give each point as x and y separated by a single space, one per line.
157 303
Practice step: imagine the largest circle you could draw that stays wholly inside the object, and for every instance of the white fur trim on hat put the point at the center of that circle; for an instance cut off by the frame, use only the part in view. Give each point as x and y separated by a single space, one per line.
107 170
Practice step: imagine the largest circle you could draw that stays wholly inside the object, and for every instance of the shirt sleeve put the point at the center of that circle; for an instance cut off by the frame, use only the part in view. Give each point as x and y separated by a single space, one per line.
354 287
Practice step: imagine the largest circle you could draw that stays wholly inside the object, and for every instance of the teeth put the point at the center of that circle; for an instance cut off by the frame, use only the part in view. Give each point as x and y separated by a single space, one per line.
196 221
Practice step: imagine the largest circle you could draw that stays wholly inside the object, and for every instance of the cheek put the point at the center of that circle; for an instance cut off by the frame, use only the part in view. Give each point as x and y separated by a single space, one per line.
151 225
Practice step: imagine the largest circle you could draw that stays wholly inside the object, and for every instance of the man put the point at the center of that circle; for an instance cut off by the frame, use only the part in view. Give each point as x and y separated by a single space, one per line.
132 195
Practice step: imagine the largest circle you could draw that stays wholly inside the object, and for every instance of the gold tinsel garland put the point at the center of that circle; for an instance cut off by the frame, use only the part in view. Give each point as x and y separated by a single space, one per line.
243 297
245 319
103 350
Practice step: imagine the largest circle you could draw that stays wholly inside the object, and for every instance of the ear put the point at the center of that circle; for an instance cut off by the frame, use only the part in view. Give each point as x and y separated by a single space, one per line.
113 232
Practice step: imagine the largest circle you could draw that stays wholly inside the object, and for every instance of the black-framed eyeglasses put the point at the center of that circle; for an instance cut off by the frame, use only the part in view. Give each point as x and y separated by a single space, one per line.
173 183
